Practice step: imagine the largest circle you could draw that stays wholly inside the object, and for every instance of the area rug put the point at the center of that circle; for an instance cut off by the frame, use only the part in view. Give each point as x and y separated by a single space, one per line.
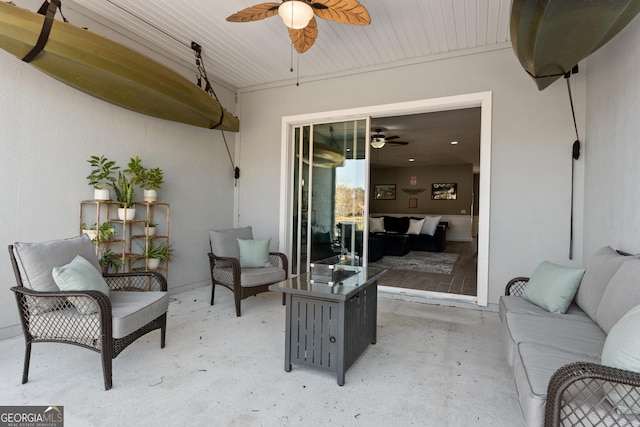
425 262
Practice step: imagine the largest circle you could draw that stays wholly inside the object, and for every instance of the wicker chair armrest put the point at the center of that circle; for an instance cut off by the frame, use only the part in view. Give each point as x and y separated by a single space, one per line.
223 262
30 299
515 286
585 378
136 281
279 260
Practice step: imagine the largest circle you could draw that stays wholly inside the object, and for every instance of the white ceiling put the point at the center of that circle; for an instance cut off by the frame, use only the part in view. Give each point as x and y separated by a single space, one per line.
257 53
245 55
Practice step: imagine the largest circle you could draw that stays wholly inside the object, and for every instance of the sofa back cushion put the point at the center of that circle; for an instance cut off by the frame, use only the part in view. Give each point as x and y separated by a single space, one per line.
394 224
622 293
600 267
37 260
224 243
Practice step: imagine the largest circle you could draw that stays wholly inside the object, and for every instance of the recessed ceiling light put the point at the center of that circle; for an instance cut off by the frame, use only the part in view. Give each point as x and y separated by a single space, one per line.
411 159
454 142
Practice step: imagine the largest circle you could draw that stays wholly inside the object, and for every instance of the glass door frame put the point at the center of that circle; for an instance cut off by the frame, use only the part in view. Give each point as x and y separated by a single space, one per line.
295 144
477 99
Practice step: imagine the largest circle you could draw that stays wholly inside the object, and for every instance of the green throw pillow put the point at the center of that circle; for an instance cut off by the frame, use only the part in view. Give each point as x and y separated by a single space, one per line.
254 253
622 350
553 287
80 275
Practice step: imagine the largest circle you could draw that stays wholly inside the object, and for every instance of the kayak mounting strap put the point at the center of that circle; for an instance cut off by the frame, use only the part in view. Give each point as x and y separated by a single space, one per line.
202 74
48 9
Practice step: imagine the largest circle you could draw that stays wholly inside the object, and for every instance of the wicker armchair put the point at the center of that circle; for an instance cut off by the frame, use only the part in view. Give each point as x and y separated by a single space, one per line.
224 262
49 315
576 391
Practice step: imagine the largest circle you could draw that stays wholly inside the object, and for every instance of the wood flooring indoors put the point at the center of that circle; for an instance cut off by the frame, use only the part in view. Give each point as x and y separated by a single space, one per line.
461 281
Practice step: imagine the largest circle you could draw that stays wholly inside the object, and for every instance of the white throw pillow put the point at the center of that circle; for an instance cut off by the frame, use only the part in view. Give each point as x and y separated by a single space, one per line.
622 350
430 224
80 275
254 253
376 225
553 286
415 226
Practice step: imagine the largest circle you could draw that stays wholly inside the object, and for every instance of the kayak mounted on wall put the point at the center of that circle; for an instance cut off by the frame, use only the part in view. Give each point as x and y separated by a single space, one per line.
550 37
109 71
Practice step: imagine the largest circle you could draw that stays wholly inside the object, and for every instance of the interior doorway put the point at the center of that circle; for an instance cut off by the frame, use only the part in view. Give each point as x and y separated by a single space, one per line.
414 153
481 100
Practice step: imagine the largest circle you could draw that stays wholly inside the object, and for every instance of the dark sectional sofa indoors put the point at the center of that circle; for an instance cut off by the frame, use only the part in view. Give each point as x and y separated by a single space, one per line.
395 239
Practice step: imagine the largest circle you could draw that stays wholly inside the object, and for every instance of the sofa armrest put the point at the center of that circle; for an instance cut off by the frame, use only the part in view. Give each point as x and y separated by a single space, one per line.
575 392
516 286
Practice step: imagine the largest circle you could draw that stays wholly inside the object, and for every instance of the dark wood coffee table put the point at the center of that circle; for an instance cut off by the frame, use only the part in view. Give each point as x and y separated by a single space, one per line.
328 327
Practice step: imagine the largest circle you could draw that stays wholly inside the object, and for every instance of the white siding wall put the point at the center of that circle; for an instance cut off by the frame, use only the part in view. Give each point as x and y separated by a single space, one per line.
612 149
48 130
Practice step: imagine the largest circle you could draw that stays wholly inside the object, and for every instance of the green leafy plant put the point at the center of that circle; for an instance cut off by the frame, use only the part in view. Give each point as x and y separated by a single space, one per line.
102 170
160 251
109 260
105 231
148 179
124 188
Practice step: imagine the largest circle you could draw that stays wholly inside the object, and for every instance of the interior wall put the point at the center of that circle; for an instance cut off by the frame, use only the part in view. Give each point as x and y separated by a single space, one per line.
532 134
611 149
48 130
462 175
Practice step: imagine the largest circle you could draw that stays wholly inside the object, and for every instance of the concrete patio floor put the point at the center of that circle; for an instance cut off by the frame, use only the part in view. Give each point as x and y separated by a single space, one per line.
431 366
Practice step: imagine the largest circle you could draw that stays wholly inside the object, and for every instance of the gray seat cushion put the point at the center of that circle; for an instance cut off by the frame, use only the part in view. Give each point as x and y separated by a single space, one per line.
600 268
581 337
224 243
533 367
515 304
132 310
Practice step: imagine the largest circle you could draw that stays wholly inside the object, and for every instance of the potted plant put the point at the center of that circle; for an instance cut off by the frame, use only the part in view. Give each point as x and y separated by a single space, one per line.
89 231
153 182
124 188
150 180
101 176
109 260
156 254
150 228
104 232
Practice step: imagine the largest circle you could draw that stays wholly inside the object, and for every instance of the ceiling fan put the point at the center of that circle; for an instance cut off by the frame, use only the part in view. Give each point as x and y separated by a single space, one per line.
298 16
379 140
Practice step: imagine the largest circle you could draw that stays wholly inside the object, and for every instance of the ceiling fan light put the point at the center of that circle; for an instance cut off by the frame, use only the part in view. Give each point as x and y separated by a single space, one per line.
295 14
377 142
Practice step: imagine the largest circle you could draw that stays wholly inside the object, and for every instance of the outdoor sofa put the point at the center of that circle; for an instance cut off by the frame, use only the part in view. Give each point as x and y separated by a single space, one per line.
576 360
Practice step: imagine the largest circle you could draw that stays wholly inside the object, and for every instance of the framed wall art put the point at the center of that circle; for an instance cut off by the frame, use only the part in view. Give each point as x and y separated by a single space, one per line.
444 191
413 203
384 192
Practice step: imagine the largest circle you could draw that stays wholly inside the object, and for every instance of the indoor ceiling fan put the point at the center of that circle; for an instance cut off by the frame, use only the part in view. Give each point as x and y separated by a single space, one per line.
298 16
379 140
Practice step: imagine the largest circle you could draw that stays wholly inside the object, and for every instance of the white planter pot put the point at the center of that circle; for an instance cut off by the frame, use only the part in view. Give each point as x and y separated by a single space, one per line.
151 231
153 262
126 214
101 194
150 195
91 233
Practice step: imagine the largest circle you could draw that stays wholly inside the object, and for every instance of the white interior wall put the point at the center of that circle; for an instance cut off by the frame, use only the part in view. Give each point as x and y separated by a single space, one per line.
47 132
531 149
612 147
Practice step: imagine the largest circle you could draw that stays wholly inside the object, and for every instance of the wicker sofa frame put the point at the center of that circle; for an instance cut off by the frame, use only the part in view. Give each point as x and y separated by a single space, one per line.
226 272
574 385
79 329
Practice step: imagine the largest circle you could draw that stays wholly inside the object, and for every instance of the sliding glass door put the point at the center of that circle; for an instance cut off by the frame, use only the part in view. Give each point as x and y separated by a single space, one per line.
330 192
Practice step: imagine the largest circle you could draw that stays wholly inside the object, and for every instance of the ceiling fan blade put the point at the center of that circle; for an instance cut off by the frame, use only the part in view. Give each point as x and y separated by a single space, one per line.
396 142
342 11
389 138
255 13
304 38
